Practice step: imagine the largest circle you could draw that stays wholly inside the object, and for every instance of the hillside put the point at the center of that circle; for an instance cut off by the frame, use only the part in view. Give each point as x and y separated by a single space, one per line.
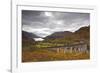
83 34
58 35
57 38
29 35
27 39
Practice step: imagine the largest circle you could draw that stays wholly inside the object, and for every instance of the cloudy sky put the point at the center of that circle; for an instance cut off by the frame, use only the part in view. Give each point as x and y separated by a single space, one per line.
44 23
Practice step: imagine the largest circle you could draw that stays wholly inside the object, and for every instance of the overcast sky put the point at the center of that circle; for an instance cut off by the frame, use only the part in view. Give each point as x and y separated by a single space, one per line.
44 23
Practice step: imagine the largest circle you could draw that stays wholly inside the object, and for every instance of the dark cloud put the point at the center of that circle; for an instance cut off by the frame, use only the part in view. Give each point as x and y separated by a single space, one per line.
44 23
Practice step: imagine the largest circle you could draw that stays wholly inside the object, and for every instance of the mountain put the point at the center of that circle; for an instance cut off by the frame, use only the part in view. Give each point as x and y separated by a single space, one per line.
83 34
56 39
27 39
58 35
29 35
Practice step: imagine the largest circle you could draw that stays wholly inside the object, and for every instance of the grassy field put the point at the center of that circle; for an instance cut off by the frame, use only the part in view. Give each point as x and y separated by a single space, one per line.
41 51
47 55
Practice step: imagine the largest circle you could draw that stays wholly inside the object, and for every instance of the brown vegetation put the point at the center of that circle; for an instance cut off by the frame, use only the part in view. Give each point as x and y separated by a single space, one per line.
45 55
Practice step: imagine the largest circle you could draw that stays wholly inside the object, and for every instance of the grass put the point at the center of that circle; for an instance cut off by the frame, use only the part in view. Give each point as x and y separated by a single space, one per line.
47 55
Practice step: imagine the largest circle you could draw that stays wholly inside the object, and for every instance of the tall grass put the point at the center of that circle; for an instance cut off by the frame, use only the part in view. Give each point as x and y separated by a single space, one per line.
47 55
